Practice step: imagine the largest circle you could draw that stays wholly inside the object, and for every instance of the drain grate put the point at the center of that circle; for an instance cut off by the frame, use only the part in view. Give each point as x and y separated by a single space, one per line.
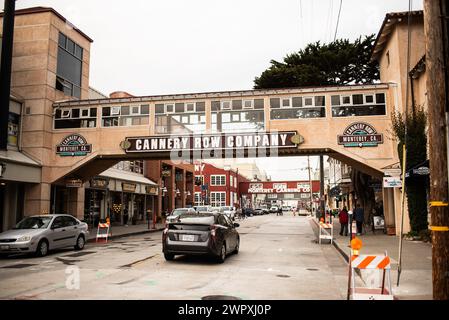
19 266
312 269
220 297
283 276
79 254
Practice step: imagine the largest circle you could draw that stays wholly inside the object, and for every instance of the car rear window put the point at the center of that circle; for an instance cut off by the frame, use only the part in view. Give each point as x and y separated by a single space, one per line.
206 219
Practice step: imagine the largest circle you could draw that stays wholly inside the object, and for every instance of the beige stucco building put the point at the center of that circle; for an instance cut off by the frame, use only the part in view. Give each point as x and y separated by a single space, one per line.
75 134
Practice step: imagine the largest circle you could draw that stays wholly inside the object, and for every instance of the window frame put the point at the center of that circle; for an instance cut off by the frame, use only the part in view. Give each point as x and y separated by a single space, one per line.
88 113
289 103
222 107
251 104
214 177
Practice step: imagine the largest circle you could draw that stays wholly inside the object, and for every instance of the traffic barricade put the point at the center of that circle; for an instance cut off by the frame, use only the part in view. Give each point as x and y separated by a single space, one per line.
103 231
326 232
373 263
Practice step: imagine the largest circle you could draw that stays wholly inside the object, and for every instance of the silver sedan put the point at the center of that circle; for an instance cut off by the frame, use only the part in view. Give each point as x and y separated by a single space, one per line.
39 234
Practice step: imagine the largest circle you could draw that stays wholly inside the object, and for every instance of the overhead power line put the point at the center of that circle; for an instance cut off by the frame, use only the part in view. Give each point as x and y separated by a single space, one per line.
338 20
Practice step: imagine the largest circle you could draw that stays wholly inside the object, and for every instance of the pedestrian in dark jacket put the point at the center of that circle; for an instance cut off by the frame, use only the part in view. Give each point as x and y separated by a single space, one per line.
359 216
343 218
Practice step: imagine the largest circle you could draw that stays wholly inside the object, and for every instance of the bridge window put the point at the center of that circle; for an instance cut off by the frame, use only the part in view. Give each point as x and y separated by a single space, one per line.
75 118
297 107
181 117
358 105
125 115
238 115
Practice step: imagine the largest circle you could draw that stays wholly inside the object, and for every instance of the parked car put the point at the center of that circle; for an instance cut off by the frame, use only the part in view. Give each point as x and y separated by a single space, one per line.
40 234
229 211
217 209
203 208
177 212
209 233
274 209
258 212
265 209
249 212
286 208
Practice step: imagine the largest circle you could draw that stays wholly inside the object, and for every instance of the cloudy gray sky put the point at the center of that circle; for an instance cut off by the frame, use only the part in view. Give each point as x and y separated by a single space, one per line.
179 46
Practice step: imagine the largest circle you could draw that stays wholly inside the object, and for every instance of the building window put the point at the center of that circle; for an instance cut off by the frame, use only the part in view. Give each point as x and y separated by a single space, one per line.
297 108
199 180
197 198
75 118
180 117
69 67
230 181
358 105
218 199
13 130
388 58
217 180
134 115
130 166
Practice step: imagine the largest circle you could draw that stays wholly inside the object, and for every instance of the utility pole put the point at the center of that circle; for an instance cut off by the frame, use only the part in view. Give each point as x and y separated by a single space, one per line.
322 202
311 186
5 71
435 28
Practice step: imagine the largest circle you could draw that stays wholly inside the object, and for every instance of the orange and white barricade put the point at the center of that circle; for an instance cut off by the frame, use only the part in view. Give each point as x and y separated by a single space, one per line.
326 231
373 263
100 231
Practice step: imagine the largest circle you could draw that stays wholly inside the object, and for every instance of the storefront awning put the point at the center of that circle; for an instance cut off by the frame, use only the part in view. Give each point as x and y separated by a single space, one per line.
19 167
126 176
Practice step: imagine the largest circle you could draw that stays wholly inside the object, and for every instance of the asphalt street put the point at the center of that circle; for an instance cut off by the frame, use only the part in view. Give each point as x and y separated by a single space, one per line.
278 259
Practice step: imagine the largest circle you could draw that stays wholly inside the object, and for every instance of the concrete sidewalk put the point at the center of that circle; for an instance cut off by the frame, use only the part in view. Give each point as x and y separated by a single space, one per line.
416 276
123 231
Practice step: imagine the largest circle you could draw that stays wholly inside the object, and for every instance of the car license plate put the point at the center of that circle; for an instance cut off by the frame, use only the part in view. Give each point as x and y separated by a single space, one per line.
187 237
4 247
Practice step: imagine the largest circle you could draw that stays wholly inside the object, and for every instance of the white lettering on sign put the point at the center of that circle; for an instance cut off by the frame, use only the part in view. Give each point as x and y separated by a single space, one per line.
193 142
154 144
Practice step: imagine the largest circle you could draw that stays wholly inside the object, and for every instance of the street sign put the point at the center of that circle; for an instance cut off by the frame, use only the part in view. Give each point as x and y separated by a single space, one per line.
393 172
392 182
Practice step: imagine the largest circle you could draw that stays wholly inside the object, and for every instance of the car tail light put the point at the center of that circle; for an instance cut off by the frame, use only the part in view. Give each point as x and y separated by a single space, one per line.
213 229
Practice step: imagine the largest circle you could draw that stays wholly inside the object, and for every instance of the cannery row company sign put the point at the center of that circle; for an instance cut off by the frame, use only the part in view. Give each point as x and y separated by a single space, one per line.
73 145
360 134
220 141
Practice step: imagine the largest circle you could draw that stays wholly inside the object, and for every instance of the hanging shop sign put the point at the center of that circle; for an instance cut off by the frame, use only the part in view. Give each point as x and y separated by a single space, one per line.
392 182
128 187
99 183
151 190
74 183
360 134
166 173
219 141
73 145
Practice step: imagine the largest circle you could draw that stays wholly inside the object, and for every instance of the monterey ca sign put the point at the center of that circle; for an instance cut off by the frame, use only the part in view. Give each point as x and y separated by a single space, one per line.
218 142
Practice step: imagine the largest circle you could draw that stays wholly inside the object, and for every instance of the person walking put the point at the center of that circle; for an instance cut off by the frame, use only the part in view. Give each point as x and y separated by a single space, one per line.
343 218
359 216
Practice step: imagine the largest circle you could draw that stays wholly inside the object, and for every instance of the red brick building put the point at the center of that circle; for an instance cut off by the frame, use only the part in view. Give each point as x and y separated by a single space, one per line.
216 186
175 183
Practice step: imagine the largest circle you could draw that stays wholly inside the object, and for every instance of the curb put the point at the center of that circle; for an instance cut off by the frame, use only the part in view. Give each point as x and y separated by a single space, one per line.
334 243
127 234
